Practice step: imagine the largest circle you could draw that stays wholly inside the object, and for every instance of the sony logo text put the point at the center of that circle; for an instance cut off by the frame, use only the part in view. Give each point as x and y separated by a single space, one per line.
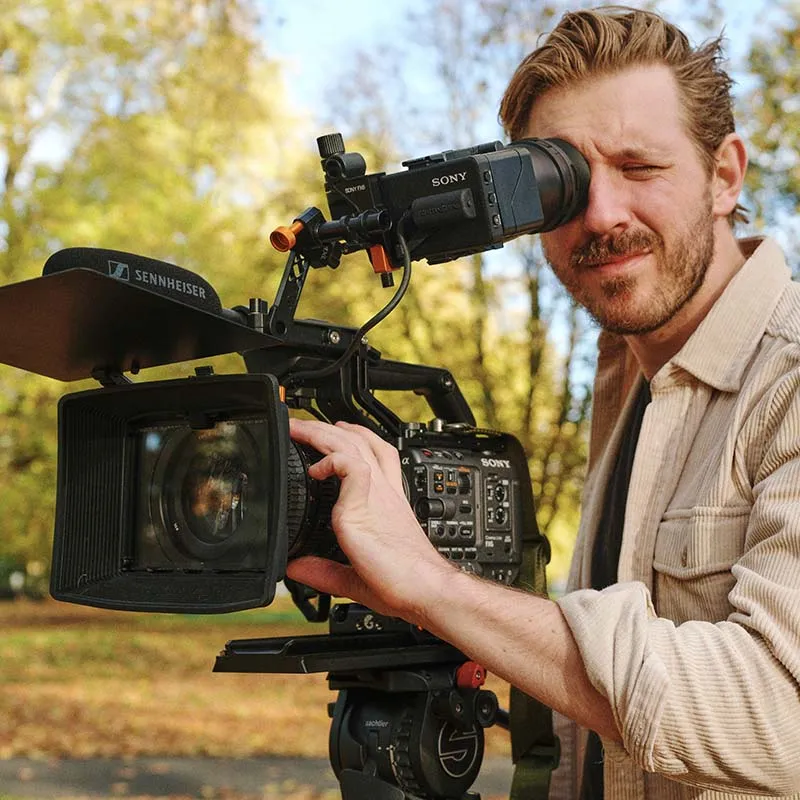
444 180
496 462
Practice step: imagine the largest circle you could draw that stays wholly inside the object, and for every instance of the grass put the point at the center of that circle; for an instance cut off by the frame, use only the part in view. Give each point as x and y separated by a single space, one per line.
85 683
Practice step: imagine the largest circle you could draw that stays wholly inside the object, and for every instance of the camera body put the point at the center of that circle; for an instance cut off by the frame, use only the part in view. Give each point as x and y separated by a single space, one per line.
189 496
466 493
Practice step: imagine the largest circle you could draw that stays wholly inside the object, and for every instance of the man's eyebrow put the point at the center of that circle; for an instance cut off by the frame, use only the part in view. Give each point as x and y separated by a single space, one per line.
641 153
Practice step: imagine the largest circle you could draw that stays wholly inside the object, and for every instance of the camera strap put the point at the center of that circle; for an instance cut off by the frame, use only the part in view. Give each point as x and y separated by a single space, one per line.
535 748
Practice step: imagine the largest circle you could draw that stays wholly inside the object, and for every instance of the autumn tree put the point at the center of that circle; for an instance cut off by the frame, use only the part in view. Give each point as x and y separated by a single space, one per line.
155 128
772 119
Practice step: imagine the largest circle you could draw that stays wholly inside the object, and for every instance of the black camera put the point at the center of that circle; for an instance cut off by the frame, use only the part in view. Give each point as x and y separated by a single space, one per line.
189 496
448 205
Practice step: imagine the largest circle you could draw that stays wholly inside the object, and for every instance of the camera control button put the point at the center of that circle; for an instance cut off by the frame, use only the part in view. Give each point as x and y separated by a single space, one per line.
429 508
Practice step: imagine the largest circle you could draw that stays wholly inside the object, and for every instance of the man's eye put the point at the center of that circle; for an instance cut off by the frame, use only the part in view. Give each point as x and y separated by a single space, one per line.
640 169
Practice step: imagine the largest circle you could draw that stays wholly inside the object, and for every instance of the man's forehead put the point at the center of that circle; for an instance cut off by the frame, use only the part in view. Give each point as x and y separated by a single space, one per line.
634 112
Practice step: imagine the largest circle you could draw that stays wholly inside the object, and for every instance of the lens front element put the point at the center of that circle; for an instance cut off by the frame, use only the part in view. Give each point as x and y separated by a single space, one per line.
203 501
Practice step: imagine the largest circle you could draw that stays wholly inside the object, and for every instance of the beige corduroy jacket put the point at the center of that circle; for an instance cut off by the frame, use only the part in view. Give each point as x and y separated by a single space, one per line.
697 647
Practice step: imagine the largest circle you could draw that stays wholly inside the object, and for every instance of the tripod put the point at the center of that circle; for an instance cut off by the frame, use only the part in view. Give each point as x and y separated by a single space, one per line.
408 720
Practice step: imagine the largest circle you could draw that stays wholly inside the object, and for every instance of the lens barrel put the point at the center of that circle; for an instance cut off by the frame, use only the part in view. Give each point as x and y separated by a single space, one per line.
310 503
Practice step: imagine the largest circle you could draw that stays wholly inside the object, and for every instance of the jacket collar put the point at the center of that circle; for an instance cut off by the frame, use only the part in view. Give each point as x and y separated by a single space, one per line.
718 352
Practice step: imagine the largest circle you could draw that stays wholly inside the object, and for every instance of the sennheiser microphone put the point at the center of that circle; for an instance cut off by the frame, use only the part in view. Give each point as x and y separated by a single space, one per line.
156 276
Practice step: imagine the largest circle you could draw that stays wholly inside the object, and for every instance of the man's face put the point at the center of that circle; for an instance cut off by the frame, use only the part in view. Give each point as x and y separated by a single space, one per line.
639 252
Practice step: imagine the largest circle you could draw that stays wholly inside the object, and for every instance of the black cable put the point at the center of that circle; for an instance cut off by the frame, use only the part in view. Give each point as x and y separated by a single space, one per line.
367 326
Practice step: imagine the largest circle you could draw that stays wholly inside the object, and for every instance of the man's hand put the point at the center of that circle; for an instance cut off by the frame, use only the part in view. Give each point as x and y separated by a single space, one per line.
394 569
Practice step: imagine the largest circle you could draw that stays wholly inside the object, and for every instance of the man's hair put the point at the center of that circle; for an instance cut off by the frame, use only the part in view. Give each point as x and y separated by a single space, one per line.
604 40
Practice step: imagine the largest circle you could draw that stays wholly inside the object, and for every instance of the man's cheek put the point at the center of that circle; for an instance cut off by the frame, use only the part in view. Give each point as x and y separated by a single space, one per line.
557 251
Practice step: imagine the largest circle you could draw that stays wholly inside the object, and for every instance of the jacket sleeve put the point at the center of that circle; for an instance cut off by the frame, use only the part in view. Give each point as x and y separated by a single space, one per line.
715 704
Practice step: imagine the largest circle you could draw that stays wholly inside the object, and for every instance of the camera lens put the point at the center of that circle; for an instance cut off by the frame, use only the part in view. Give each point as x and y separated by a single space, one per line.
214 495
204 497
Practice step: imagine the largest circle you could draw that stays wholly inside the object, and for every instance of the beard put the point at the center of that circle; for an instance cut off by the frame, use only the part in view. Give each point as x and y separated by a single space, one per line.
681 268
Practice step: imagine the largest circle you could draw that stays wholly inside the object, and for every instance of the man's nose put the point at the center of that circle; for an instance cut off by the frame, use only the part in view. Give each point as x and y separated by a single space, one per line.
609 207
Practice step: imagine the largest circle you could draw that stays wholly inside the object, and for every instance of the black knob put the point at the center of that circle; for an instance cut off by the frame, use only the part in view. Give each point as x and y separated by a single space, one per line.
331 144
429 508
486 708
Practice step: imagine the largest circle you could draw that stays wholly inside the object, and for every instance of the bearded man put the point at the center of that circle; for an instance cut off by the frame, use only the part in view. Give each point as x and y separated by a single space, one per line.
673 660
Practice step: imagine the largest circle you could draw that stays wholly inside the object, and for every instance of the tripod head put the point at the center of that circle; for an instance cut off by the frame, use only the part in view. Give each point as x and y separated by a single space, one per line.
409 718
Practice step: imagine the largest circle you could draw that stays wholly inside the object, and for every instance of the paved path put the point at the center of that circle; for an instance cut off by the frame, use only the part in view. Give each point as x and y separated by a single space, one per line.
267 778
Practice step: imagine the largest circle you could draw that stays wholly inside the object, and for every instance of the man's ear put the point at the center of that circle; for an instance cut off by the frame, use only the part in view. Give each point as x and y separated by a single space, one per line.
730 164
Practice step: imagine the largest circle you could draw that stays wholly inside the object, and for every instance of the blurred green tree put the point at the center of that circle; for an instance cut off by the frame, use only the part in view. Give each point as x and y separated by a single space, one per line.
156 128
772 120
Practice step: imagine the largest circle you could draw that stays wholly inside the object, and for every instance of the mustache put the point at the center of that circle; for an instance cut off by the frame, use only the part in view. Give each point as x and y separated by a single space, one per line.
601 248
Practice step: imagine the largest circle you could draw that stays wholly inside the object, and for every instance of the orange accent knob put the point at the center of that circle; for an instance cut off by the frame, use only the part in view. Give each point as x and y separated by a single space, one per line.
379 259
470 675
284 238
